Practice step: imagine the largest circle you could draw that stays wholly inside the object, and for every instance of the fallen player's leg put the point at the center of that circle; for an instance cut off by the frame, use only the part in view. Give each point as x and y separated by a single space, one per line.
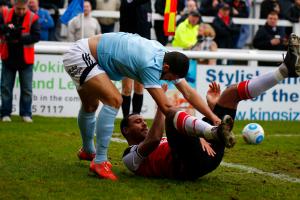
192 126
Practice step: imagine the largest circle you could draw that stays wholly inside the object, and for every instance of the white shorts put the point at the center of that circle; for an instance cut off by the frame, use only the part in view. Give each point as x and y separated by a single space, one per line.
80 64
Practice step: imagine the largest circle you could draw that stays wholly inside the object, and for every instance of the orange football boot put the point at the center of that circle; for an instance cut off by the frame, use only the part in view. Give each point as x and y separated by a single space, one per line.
82 155
103 170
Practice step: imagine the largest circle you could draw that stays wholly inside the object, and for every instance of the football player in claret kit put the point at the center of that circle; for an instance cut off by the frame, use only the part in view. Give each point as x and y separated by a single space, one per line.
182 155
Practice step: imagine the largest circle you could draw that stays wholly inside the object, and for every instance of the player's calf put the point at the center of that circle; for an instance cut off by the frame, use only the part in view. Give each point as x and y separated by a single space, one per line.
192 126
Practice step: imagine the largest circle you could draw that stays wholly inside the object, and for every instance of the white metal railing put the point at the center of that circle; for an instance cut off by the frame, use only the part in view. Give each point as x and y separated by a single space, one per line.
232 54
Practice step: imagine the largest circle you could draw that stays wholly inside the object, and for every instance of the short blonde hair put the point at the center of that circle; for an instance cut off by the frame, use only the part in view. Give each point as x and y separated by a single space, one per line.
208 30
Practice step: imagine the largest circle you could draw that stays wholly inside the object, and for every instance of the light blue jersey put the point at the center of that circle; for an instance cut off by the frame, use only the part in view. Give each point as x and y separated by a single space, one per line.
130 55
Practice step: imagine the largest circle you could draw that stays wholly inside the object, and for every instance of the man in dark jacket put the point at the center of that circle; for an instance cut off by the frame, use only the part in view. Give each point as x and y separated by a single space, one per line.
270 37
210 7
240 9
226 30
19 31
135 17
293 13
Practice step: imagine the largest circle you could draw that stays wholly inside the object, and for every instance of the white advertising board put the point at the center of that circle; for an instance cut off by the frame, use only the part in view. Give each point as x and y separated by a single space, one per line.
54 93
281 102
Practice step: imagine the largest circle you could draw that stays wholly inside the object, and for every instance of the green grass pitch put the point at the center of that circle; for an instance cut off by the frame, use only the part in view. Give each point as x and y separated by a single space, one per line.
38 161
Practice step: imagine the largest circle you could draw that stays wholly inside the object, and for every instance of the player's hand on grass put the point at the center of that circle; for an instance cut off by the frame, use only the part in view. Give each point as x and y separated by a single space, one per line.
207 148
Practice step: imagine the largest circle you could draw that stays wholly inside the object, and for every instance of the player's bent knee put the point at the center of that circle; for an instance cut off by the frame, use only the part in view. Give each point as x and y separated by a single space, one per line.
116 102
126 92
231 92
90 108
171 114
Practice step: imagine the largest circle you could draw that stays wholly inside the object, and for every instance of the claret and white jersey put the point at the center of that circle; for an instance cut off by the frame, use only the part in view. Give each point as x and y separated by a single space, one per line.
157 164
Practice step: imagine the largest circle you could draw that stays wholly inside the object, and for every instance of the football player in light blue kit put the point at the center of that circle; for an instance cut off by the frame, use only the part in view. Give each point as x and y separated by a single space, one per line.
92 64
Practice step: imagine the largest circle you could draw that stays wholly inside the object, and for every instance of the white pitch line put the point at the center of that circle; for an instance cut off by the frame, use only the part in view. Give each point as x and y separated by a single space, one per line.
247 169
278 135
287 135
282 177
118 140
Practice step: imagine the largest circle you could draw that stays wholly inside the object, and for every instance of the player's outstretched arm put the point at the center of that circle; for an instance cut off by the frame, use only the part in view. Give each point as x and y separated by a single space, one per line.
196 100
161 99
155 133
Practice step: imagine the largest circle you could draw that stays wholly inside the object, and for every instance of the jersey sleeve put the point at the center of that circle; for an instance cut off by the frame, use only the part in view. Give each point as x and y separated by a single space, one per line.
132 159
177 81
150 78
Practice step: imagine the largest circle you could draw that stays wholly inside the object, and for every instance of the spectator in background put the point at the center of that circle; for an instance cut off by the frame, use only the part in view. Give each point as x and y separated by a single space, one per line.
191 5
17 54
187 31
270 37
3 6
56 3
224 27
135 17
293 13
240 9
107 24
206 35
90 25
267 6
210 7
159 24
285 5
45 20
5 3
53 7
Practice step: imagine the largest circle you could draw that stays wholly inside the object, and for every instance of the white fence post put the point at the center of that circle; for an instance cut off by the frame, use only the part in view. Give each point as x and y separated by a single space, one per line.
296 27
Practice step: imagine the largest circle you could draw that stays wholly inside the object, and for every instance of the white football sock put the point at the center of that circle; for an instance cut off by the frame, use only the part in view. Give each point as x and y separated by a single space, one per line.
260 84
192 126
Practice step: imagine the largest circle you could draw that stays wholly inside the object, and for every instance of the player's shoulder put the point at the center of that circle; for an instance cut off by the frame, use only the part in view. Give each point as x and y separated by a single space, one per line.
129 149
